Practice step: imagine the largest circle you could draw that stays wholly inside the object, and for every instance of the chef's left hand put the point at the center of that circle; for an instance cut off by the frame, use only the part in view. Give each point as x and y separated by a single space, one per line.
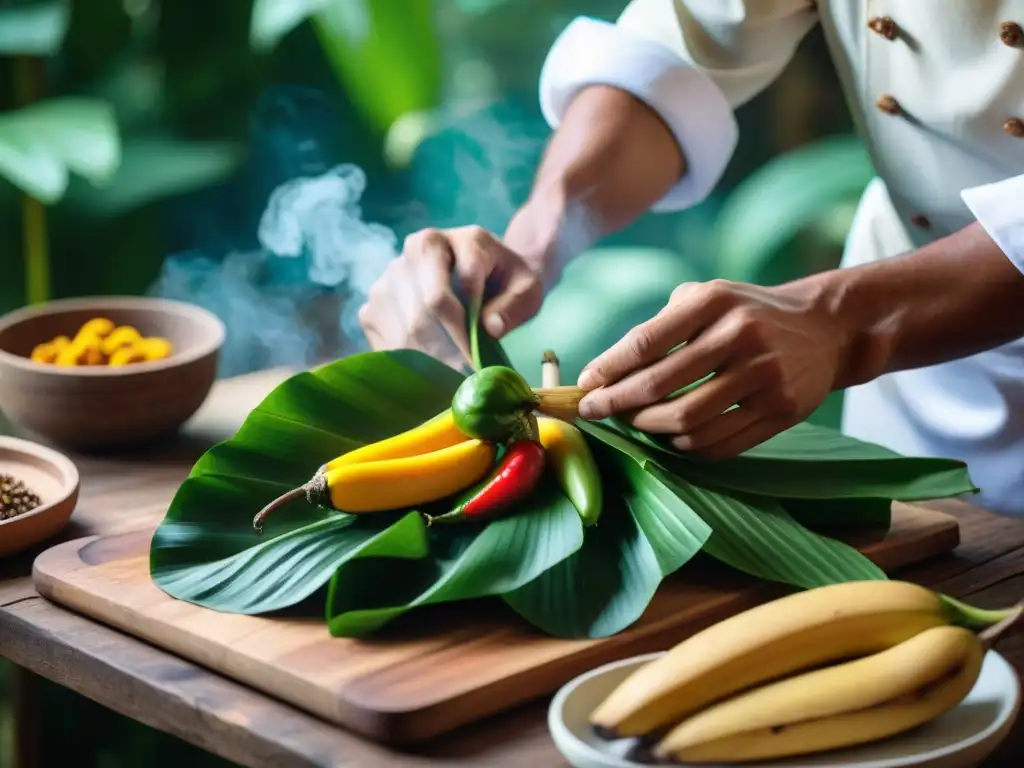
775 353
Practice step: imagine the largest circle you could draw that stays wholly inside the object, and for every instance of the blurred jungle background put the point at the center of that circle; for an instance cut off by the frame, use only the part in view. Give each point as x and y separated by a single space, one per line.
265 158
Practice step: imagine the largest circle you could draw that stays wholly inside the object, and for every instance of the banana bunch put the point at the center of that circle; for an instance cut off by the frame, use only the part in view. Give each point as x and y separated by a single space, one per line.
813 671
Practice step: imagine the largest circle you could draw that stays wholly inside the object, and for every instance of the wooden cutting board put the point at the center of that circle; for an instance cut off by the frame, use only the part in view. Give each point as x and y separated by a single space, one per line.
459 663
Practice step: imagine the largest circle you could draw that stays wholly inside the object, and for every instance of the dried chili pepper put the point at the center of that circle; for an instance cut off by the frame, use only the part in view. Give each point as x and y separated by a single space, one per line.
515 477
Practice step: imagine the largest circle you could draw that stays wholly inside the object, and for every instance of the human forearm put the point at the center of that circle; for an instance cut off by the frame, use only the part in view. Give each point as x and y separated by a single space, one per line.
955 297
611 158
613 155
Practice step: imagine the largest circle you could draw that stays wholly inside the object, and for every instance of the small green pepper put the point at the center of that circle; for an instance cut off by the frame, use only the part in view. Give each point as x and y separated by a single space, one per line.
573 463
495 404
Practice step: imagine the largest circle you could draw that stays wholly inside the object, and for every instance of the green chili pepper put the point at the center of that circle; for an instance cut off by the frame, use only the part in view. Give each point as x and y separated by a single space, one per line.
574 465
495 404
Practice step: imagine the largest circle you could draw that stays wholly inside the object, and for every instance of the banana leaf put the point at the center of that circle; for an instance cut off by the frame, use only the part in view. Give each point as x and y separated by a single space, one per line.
646 533
843 468
769 519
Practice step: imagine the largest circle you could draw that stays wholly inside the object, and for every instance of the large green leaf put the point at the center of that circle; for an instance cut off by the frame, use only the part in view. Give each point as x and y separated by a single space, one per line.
466 562
34 29
484 348
155 167
754 534
385 53
205 550
40 144
817 513
288 568
645 533
814 462
759 537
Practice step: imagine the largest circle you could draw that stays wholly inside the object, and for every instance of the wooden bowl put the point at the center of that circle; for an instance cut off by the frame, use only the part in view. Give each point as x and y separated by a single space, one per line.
89 407
48 474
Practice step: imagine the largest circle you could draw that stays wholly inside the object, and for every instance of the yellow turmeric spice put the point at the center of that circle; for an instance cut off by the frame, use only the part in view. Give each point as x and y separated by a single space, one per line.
99 341
122 336
125 355
47 351
83 350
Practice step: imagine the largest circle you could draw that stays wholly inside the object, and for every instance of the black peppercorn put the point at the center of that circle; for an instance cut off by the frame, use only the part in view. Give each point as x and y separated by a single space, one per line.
15 498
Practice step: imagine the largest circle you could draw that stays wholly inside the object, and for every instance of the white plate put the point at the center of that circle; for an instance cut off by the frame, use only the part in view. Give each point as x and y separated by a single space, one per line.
961 737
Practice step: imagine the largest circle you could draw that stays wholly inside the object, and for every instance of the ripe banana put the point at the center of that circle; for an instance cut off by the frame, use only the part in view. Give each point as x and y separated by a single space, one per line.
851 703
792 634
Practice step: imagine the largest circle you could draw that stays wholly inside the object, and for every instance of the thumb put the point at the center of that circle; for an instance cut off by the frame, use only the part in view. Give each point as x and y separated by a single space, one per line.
520 299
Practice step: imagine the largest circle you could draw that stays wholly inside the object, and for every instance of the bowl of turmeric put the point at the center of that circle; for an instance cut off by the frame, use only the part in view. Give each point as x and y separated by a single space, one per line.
101 372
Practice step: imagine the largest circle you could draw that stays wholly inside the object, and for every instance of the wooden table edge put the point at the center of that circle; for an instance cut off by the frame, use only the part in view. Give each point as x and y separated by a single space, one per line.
185 701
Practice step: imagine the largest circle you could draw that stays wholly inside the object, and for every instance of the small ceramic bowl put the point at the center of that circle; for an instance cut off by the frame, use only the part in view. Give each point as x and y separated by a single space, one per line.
89 407
49 475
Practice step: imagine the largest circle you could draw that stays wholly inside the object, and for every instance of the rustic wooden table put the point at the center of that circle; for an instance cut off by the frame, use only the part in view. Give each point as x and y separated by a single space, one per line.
247 727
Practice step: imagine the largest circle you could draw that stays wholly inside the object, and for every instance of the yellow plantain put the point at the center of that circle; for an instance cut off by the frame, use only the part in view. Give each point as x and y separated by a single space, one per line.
856 702
794 633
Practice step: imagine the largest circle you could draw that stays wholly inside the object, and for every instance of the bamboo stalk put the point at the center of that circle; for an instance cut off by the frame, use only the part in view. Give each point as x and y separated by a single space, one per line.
35 241
561 402
36 250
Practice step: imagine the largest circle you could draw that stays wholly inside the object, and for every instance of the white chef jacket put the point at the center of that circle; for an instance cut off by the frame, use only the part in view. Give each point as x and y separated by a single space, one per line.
936 88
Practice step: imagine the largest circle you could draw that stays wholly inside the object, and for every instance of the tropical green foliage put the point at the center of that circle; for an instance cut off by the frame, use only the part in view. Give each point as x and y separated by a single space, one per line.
662 509
384 52
42 143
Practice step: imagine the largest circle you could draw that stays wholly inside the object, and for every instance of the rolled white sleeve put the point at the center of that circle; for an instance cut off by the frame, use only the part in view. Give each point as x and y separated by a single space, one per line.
999 208
592 52
691 61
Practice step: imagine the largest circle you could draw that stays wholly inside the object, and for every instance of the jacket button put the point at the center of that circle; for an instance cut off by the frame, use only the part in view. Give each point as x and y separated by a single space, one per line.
884 26
888 104
920 220
1011 33
1015 127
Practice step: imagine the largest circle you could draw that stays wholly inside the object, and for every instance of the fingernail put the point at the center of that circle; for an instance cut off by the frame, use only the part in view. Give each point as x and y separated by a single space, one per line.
494 325
586 408
587 379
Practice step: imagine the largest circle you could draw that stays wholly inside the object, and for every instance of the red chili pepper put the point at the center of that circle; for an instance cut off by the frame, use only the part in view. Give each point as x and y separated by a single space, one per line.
515 477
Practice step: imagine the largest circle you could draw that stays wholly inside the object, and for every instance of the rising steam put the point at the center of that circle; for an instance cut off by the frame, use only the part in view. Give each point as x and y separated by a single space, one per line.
272 322
293 300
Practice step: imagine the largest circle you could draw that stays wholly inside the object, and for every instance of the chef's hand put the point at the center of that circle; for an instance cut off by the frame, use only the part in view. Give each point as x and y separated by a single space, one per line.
414 303
775 353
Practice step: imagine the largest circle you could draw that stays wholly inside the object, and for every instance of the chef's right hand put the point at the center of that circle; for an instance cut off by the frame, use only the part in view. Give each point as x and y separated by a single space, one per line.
414 304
